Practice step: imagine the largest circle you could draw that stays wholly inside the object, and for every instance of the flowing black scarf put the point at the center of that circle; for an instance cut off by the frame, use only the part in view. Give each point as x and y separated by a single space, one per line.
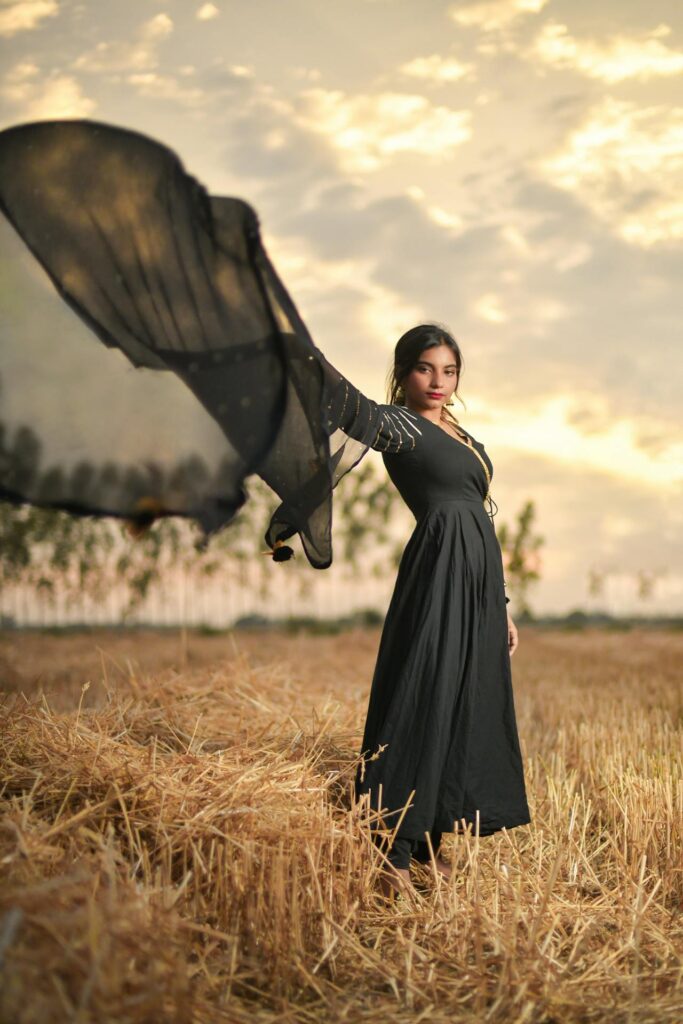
205 373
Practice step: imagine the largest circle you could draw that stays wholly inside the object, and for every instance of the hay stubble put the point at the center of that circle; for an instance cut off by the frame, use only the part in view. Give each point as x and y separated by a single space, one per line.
179 843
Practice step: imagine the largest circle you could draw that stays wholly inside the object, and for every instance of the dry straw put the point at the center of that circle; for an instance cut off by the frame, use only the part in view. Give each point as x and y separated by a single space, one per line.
183 845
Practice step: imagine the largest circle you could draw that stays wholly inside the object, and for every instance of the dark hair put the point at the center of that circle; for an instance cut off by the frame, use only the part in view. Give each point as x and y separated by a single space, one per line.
410 347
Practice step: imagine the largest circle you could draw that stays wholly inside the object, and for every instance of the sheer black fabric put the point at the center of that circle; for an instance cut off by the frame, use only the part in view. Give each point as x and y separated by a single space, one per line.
151 358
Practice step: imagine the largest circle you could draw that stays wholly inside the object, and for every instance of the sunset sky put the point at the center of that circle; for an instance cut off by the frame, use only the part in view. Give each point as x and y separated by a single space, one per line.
510 168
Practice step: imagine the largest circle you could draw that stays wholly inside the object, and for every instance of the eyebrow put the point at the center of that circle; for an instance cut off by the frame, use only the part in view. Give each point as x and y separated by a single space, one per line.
427 362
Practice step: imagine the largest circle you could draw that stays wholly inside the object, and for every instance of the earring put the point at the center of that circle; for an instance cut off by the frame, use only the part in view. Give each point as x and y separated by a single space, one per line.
450 401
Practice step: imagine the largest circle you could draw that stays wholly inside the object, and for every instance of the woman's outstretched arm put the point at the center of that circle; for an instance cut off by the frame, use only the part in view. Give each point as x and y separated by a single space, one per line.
386 428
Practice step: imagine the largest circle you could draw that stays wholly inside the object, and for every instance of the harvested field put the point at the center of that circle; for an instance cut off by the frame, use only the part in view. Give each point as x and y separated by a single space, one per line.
178 840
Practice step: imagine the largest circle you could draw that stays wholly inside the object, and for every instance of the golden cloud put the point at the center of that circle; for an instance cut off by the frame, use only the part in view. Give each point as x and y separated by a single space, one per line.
58 96
137 55
493 15
367 131
618 58
625 162
436 68
25 15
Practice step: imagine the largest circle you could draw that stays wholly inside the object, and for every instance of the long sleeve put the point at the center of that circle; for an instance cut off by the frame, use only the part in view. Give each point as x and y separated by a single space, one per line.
322 398
353 424
385 428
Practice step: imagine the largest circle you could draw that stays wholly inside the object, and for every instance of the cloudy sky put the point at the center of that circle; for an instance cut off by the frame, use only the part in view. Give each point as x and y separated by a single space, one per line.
510 168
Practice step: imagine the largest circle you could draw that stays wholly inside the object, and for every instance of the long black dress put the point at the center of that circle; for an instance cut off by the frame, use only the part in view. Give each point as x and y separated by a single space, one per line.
152 360
441 704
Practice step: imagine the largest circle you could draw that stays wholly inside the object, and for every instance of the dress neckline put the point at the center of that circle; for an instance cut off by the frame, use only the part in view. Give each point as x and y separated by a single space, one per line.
471 448
448 433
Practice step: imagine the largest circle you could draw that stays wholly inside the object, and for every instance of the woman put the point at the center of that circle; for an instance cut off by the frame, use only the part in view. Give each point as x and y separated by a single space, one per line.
177 283
441 710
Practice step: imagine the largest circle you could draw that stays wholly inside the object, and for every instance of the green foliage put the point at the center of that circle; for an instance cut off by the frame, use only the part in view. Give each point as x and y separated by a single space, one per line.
52 551
521 557
366 503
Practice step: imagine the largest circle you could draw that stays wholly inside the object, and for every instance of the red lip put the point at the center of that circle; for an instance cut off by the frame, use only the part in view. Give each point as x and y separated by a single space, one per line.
434 394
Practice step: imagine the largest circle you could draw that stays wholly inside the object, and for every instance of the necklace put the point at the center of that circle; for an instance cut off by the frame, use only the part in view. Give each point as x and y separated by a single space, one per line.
465 440
474 451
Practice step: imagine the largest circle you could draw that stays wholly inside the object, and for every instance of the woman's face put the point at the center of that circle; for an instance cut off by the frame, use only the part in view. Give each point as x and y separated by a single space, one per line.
433 379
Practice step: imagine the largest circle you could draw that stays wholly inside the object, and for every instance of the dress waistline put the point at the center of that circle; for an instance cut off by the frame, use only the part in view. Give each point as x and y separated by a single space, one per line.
449 501
426 509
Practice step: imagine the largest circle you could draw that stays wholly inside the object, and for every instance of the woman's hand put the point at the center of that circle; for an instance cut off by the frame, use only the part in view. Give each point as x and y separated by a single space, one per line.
513 638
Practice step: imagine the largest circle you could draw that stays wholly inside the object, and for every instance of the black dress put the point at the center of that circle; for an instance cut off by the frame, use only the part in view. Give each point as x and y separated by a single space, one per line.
152 360
441 706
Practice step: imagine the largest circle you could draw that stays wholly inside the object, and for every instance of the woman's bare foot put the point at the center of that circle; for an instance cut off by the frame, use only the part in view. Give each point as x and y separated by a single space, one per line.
443 867
395 881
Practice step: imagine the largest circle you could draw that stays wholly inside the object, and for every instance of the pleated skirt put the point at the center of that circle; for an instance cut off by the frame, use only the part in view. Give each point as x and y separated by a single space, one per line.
441 730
